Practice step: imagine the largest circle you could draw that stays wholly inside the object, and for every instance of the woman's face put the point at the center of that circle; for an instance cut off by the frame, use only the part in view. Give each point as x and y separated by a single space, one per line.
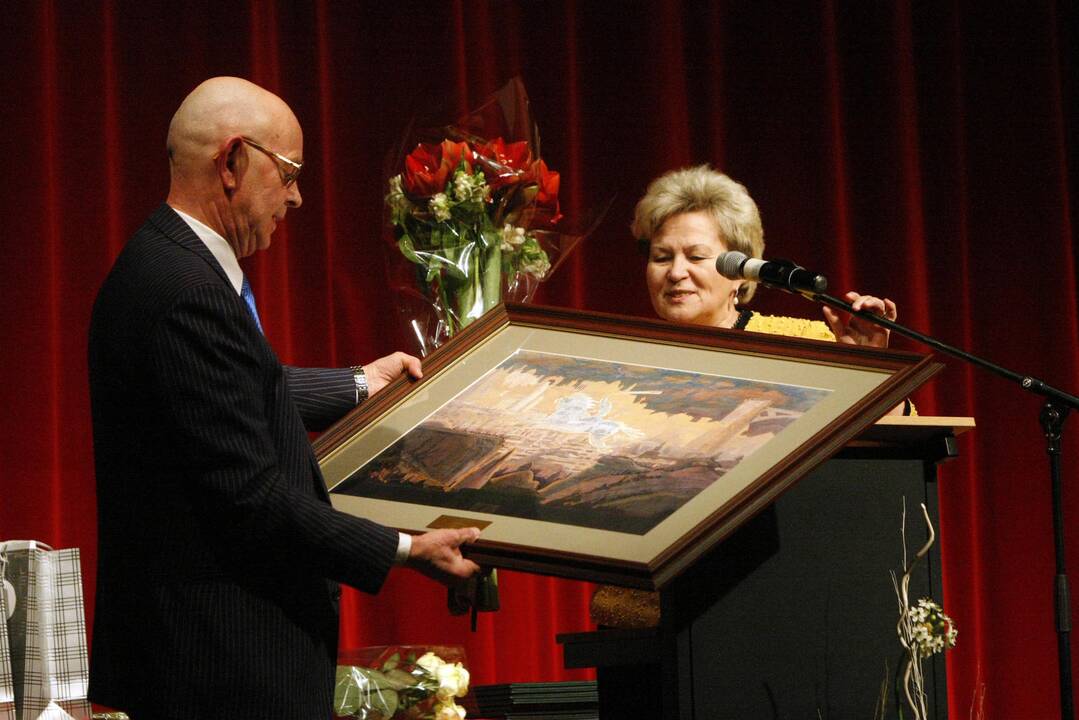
682 277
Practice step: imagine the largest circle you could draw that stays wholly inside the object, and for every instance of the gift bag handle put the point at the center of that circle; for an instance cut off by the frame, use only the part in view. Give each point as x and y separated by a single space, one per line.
5 585
24 545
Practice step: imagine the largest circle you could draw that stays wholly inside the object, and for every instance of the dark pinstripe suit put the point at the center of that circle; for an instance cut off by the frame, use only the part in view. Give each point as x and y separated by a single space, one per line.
218 549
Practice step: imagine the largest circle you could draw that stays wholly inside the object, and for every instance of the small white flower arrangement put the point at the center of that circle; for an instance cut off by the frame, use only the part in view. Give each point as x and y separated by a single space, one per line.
932 630
400 683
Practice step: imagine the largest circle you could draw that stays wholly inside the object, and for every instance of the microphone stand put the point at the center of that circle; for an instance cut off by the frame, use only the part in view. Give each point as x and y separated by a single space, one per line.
1055 411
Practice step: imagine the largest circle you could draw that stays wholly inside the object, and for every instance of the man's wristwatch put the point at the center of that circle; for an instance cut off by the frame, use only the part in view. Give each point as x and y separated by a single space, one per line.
360 378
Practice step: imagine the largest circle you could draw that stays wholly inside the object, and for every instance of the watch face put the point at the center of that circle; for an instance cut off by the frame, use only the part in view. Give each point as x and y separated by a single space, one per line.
360 378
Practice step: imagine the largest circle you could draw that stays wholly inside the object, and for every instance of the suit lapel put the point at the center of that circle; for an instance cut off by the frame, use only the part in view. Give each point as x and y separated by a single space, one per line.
173 226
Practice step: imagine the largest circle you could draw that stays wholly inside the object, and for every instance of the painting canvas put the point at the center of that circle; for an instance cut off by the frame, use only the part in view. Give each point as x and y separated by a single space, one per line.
608 448
583 442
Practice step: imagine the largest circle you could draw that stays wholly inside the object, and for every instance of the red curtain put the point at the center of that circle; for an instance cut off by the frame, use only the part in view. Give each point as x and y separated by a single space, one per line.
922 151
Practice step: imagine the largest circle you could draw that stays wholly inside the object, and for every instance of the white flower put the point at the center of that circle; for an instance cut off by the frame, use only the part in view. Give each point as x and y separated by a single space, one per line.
449 711
440 206
431 663
452 681
537 267
396 199
932 631
533 259
512 237
462 185
469 187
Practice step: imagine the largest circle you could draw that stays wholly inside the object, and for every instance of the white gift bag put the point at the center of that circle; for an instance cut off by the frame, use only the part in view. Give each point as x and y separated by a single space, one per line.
47 632
7 684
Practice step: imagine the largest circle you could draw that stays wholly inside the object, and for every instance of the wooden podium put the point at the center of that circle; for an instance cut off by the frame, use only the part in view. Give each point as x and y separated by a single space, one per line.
794 615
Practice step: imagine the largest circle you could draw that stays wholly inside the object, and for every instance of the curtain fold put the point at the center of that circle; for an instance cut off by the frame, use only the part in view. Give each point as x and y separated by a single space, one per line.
921 151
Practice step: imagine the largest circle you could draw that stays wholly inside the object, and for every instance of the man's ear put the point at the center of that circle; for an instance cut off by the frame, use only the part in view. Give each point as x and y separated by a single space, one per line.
229 163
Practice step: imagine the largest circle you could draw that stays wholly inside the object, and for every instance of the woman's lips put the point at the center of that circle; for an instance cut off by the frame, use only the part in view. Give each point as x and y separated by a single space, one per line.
677 296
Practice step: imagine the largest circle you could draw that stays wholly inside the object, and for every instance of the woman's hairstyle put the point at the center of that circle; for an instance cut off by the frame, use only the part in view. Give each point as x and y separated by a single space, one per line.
701 188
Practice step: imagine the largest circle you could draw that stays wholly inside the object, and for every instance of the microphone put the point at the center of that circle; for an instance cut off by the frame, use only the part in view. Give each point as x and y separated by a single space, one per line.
782 274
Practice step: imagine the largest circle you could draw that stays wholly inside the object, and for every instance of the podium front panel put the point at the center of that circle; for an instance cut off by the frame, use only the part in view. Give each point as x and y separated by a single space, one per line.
798 617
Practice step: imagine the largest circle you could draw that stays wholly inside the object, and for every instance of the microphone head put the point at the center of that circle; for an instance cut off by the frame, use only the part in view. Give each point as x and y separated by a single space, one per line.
818 284
729 264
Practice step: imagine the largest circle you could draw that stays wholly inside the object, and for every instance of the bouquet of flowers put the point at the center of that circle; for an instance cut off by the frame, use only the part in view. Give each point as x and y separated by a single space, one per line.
928 628
401 682
475 211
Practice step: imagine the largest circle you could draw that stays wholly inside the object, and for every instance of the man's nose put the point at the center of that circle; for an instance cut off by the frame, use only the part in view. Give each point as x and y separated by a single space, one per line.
294 198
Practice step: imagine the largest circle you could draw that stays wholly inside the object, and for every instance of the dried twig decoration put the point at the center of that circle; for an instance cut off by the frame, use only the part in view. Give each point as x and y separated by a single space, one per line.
923 629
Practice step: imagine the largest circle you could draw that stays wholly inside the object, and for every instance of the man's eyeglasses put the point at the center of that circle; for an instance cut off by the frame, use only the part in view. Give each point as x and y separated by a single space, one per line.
289 169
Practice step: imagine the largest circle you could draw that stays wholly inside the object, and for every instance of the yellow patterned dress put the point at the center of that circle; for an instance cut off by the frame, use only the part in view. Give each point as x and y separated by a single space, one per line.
791 327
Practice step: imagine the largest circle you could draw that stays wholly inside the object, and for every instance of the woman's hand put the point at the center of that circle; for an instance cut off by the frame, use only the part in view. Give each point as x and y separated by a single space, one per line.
854 330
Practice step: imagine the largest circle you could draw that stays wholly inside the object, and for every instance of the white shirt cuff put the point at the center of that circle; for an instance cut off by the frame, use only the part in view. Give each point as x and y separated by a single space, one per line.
404 547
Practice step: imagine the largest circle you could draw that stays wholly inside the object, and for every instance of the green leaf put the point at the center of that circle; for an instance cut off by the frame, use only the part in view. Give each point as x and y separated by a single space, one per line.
492 276
384 702
391 662
401 679
491 237
346 696
359 692
455 260
408 250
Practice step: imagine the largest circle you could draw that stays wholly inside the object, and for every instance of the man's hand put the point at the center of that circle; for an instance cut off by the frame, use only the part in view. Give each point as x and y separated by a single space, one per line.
386 369
437 554
854 330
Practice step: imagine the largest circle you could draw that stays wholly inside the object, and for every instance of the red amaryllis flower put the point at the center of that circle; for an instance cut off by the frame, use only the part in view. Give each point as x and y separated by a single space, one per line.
429 167
505 164
547 182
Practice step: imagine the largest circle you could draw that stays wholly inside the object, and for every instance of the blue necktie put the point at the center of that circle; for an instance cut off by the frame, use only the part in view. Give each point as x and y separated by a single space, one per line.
249 298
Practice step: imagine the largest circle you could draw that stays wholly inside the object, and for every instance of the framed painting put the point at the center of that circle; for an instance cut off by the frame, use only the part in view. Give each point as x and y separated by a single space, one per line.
593 446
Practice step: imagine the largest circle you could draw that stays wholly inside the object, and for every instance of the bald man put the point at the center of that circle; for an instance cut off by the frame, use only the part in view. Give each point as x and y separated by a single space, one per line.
219 553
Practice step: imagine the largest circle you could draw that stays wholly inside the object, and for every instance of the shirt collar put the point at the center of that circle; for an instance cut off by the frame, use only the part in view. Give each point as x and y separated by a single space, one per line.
218 247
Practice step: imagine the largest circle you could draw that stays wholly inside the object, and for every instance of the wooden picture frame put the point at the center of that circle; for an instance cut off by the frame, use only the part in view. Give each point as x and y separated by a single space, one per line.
605 448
